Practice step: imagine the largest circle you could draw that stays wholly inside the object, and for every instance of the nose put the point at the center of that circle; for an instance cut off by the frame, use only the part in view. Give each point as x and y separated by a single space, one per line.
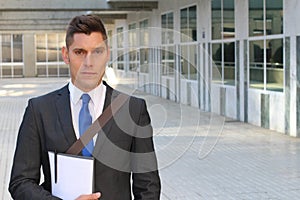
88 60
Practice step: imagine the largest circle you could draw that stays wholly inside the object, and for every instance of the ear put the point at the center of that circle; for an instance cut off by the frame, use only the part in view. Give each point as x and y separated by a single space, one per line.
65 55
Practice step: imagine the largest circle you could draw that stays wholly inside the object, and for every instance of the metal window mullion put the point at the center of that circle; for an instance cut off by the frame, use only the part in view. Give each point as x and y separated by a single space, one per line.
222 21
222 73
1 56
57 54
265 17
265 45
11 55
265 64
46 41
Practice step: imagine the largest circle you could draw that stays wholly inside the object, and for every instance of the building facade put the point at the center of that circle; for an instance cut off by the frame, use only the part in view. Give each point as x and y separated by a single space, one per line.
236 58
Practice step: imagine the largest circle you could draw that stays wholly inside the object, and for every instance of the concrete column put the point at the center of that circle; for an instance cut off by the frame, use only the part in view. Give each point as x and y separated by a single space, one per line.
29 55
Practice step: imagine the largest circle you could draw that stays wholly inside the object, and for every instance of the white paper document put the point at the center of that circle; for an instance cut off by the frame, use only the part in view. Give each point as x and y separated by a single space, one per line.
71 176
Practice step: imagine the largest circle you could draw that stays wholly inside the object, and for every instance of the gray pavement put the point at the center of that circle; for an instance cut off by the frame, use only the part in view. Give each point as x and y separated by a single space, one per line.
200 155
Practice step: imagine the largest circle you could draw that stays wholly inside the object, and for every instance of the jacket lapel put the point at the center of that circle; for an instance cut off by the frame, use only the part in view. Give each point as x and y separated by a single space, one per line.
64 113
102 134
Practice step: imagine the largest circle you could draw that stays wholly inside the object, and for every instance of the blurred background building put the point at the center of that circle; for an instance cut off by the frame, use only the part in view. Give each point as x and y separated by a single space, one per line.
237 58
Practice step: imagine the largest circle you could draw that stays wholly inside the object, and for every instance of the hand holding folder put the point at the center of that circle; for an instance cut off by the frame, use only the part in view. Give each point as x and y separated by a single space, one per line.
71 175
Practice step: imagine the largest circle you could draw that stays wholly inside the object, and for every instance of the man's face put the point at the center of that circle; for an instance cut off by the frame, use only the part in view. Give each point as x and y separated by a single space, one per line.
87 57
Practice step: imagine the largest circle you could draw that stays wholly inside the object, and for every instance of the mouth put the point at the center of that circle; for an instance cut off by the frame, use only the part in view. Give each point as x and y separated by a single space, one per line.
88 73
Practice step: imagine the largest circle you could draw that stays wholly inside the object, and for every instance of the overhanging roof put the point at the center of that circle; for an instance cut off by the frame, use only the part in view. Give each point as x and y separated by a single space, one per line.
55 14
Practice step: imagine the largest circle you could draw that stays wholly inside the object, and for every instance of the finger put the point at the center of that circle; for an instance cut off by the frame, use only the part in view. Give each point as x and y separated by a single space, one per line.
89 196
96 195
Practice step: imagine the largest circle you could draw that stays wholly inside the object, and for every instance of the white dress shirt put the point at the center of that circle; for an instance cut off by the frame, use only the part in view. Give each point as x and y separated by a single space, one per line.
96 104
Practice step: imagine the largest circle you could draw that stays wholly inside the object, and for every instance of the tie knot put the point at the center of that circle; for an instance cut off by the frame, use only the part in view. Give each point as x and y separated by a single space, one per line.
85 98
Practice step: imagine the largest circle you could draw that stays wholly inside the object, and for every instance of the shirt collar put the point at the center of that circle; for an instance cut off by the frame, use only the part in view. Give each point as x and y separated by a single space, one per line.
95 94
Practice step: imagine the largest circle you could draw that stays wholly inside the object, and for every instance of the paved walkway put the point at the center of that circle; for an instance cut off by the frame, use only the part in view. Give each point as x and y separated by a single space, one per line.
201 155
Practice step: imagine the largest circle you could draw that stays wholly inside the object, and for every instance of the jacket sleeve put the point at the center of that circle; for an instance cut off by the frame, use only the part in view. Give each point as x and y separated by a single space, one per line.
146 181
25 174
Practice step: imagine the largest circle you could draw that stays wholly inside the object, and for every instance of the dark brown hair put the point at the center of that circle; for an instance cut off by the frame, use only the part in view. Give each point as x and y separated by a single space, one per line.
84 24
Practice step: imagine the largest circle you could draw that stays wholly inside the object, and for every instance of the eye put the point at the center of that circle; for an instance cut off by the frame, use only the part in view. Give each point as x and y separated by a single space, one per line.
79 52
99 51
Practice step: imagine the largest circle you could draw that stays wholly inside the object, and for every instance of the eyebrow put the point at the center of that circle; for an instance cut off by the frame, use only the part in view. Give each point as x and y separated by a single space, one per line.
82 49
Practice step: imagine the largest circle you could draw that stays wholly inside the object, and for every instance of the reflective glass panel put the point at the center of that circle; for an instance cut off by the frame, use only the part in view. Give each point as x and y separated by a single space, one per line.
275 65
132 35
193 23
18 48
256 17
41 47
184 24
120 59
52 47
229 63
193 62
6 48
120 37
217 62
185 61
144 60
168 60
144 34
61 43
256 64
228 19
216 19
274 17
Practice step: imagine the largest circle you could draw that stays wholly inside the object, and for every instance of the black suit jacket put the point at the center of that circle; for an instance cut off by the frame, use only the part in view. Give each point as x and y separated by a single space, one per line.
124 149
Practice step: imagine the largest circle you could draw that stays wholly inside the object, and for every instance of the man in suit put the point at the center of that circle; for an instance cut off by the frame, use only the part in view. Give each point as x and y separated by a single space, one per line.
123 149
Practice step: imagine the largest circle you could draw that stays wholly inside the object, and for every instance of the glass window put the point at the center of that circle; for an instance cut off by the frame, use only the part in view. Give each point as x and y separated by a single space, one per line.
120 37
266 67
256 63
223 51
109 34
12 48
133 60
168 60
52 47
6 48
223 55
17 48
132 35
110 44
216 19
188 24
48 55
274 64
144 60
144 34
144 50
41 47
167 28
11 55
274 17
188 61
223 23
228 19
229 63
217 62
61 43
120 59
269 23
120 45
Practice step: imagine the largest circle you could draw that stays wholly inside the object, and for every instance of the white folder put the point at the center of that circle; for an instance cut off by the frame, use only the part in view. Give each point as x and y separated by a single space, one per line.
71 176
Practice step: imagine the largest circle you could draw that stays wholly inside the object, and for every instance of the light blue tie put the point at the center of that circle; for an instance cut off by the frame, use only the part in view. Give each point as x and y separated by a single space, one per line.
85 120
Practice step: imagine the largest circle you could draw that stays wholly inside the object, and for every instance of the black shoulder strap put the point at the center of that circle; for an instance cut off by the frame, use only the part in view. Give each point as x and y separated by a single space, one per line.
107 114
